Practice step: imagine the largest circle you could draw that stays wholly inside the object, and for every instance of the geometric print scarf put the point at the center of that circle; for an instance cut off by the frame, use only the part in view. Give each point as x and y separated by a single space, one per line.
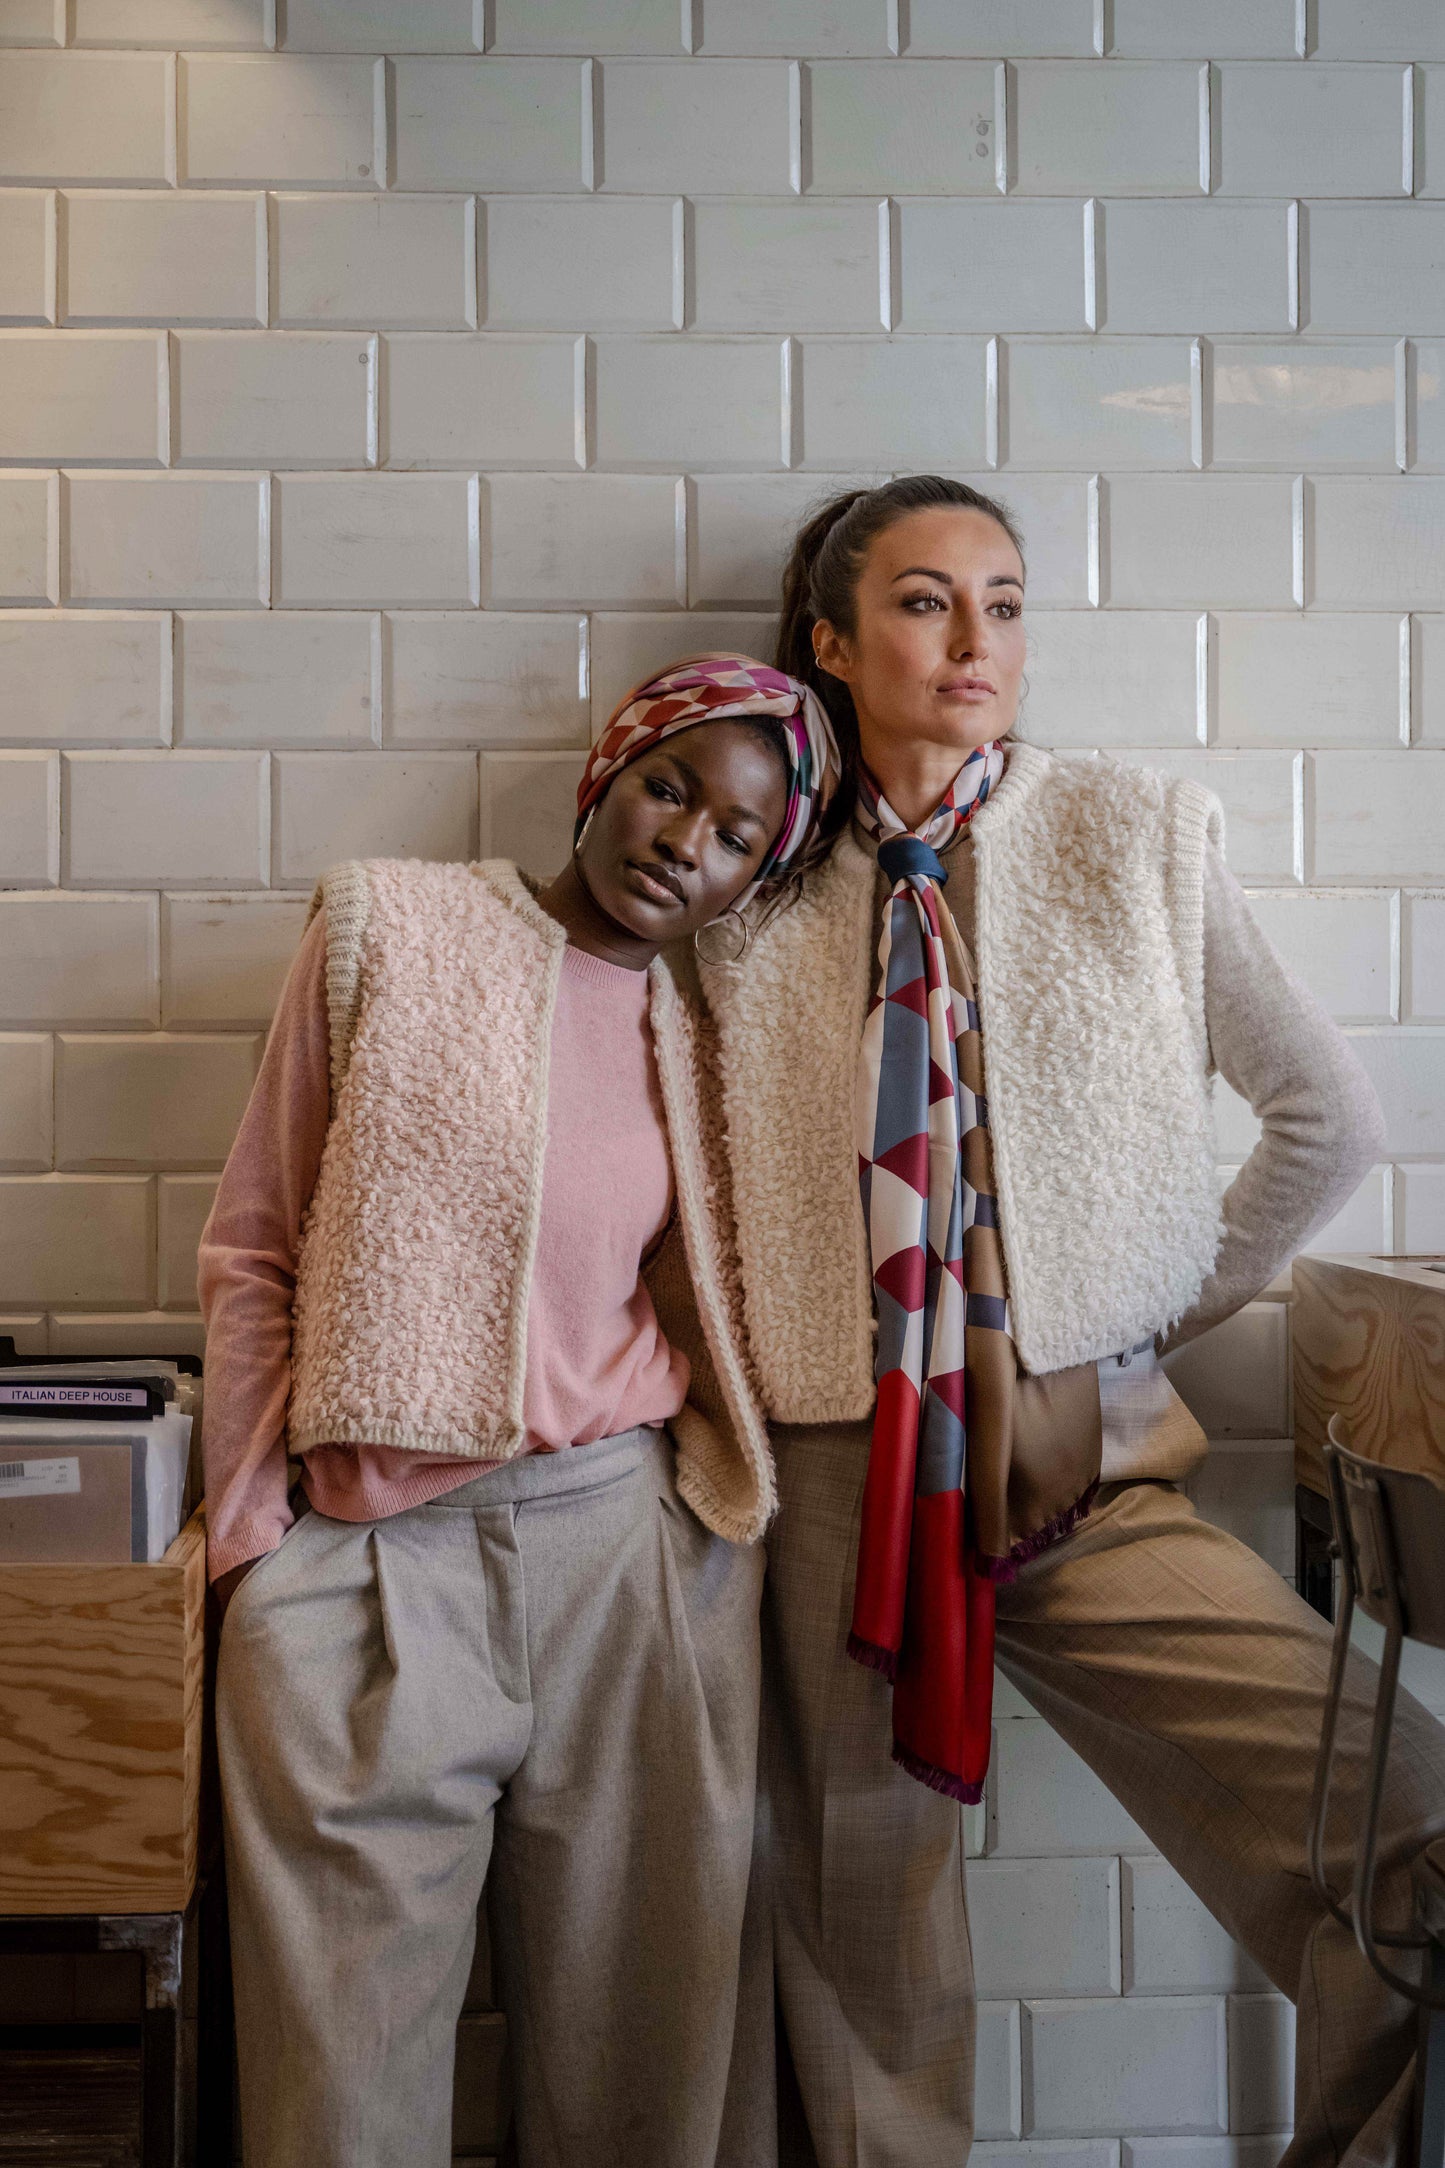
924 1596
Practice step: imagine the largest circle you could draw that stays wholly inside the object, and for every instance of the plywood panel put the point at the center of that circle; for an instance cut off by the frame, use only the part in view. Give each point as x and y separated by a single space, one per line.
100 1732
1369 1345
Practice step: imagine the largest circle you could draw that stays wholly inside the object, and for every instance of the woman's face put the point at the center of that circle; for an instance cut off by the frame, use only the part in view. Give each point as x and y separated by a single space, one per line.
936 654
683 830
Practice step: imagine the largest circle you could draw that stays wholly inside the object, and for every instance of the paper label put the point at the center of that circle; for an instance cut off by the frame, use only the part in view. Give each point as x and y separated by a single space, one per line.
38 1478
21 1394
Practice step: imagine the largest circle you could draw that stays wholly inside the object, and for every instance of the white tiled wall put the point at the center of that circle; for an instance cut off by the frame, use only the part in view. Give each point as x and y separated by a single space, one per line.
381 381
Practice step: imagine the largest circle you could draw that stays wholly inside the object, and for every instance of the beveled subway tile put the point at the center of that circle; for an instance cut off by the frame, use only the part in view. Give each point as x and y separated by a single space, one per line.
893 403
906 127
1288 128
787 265
1213 540
1378 544
690 403
1131 128
983 266
1182 266
1304 405
1306 678
1096 403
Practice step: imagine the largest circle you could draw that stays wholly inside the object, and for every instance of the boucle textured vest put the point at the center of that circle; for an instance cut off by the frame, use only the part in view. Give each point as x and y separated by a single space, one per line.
410 1322
1090 954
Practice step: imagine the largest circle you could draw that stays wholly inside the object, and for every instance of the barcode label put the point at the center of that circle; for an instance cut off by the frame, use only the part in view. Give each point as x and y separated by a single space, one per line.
38 1478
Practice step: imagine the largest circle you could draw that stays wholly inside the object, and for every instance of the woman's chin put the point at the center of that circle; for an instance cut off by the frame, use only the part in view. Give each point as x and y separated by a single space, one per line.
638 916
960 725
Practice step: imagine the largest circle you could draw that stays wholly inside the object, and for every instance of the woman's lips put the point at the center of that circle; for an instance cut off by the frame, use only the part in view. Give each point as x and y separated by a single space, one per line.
655 883
967 689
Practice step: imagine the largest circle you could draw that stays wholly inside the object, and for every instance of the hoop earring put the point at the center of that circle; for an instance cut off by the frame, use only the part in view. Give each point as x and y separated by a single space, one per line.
732 942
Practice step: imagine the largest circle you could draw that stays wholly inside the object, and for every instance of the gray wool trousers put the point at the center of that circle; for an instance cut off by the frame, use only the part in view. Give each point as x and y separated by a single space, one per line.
1191 1678
546 1680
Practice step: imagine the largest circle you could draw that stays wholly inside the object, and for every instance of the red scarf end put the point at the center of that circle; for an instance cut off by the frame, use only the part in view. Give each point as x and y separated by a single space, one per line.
938 1780
1000 1570
1053 1531
872 1657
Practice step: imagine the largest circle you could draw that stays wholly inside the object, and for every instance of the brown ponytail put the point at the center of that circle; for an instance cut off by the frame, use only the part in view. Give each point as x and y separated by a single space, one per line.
819 583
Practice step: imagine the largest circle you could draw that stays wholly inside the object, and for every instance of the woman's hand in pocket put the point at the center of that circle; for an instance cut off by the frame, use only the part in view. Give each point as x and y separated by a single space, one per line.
225 1585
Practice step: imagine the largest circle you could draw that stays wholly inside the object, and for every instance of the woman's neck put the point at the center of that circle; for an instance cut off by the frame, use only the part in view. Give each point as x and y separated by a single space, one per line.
587 926
915 779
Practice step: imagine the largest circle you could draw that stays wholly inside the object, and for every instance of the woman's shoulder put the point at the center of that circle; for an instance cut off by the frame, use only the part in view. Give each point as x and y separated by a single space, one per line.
492 891
1090 794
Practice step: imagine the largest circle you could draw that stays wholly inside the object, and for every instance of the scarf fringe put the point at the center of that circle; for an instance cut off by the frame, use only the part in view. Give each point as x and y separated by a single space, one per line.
872 1657
938 1780
1004 1570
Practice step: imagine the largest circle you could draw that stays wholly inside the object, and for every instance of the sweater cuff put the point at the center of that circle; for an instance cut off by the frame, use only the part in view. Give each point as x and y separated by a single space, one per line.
248 1540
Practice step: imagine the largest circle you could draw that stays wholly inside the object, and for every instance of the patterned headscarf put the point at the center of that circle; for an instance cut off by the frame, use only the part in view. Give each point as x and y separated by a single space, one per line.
705 689
938 1287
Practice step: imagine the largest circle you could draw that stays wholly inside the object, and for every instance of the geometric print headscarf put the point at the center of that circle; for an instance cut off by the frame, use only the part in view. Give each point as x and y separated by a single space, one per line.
924 1596
705 689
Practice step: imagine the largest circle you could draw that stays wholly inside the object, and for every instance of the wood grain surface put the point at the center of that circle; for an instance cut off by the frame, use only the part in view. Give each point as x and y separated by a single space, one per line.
1369 1345
100 1732
76 2106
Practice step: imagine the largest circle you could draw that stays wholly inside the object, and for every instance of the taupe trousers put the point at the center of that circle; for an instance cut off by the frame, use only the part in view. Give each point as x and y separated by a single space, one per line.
1190 1678
553 1672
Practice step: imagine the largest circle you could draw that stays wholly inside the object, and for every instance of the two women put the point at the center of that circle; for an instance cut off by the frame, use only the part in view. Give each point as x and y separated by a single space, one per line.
976 1451
470 1260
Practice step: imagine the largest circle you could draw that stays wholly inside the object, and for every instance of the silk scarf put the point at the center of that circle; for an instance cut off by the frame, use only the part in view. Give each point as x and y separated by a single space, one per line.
924 1596
708 688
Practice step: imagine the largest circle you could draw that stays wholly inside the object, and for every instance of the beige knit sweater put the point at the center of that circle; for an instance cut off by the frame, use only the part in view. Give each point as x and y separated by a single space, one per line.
410 1317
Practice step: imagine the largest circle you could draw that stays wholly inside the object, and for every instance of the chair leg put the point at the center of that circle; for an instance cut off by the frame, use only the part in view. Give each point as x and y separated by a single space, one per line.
216 2028
1313 1552
161 1936
1430 2073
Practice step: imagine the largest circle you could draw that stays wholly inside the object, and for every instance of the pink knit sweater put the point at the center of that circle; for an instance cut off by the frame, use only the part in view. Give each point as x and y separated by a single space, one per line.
597 1361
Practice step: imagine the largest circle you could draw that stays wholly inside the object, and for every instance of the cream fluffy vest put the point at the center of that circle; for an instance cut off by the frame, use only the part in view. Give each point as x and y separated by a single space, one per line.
416 1257
1089 943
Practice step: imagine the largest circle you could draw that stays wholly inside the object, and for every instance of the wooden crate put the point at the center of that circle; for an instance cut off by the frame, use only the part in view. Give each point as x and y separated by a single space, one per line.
100 1732
1369 1345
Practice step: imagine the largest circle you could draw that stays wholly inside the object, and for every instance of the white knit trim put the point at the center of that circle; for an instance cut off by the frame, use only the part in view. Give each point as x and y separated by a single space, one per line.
501 1444
701 1485
1196 817
346 894
519 892
790 1019
512 887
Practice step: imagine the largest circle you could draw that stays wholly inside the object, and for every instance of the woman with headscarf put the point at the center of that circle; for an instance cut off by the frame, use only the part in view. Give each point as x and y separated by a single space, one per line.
468 1262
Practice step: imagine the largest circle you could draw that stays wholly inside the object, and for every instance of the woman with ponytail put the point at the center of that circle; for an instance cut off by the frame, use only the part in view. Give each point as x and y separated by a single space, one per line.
967 1081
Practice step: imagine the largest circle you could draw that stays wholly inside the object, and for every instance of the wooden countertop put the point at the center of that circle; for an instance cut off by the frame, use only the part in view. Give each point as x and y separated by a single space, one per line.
1369 1345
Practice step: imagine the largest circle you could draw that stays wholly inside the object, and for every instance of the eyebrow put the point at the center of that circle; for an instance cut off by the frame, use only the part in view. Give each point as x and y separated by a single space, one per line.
736 814
944 579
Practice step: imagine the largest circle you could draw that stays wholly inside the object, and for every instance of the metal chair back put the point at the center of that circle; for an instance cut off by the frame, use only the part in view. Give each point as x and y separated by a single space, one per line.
1390 1534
